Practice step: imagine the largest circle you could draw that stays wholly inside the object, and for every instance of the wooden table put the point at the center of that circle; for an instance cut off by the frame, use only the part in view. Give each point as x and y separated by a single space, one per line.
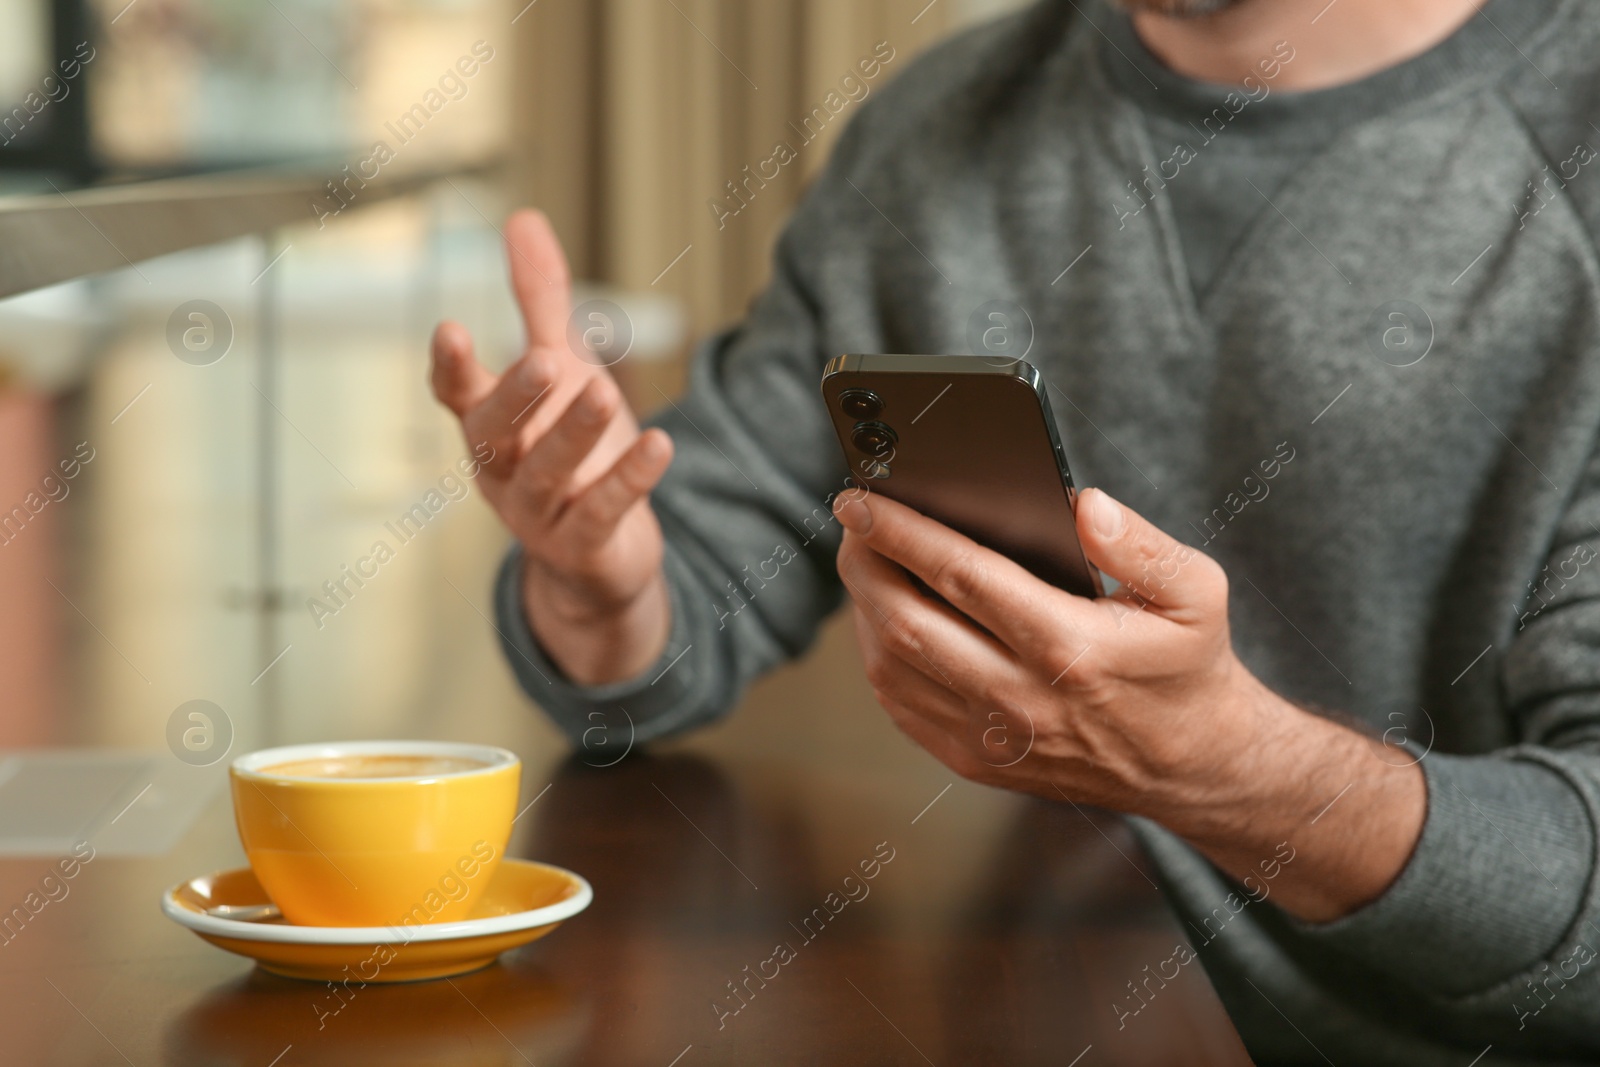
1001 931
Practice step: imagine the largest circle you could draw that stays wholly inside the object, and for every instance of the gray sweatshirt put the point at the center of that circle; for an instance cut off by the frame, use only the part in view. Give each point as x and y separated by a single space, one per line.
1379 414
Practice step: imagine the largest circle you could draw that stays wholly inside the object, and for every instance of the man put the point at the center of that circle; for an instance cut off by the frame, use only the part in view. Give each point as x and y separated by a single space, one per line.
1315 289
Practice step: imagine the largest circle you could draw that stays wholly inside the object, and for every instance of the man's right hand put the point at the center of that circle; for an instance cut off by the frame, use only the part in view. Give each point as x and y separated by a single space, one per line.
570 474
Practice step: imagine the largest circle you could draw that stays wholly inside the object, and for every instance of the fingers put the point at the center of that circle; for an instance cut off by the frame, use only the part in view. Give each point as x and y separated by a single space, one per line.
593 516
924 633
495 411
540 278
543 475
901 688
923 710
459 381
502 418
1149 564
1029 615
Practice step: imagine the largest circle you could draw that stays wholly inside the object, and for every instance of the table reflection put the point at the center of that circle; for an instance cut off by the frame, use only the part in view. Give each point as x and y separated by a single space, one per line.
1065 928
696 887
514 1012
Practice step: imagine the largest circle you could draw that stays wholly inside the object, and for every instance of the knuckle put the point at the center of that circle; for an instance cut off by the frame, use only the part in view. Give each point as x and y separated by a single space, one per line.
589 512
983 691
480 428
879 676
1047 727
539 479
1150 543
1077 667
530 373
605 396
1092 678
500 463
1060 651
902 634
1160 564
961 576
1160 561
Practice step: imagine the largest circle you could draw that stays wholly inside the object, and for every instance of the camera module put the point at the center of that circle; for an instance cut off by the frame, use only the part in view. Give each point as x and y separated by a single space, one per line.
874 438
861 403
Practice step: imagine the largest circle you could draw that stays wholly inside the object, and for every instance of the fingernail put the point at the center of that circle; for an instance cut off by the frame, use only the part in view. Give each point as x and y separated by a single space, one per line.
1106 516
854 515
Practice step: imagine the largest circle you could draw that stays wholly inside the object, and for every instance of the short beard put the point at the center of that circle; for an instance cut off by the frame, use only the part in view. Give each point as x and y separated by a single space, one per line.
1179 9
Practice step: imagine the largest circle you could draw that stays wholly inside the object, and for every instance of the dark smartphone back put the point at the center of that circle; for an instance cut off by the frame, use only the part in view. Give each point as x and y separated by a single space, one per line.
967 440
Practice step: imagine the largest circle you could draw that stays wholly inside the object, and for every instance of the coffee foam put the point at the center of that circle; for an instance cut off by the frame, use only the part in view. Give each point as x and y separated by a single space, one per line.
376 765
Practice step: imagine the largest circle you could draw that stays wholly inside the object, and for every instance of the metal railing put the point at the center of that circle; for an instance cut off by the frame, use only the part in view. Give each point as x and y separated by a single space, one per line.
55 237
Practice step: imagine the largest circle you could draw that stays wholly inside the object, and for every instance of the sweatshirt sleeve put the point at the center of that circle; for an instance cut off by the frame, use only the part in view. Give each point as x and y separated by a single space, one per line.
1497 913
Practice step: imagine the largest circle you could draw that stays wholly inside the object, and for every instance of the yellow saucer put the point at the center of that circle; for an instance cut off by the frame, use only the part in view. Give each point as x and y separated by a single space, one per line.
523 902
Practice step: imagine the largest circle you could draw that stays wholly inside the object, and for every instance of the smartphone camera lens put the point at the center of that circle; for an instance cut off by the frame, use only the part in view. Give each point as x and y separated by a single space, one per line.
861 403
874 438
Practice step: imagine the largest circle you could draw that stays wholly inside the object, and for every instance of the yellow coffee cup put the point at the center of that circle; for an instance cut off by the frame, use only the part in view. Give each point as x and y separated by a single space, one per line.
375 833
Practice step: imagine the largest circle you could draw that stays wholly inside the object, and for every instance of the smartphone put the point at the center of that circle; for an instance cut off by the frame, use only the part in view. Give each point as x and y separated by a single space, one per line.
969 441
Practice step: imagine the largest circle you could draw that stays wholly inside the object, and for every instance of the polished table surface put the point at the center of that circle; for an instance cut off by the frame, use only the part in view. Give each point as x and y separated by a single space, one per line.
1002 930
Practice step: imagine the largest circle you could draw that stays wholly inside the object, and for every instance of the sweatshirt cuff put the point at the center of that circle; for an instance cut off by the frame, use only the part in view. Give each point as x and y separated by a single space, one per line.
604 721
1498 878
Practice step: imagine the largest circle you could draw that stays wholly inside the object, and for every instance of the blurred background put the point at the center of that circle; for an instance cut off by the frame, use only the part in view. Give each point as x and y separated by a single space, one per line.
196 448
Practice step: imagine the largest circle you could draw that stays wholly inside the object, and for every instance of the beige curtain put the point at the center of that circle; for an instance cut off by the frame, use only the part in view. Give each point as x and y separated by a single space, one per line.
632 116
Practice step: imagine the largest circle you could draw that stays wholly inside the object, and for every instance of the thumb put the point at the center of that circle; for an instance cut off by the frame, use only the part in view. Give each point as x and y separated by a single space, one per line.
1149 564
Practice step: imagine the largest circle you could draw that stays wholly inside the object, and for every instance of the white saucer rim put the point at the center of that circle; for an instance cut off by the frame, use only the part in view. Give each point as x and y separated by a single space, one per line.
373 935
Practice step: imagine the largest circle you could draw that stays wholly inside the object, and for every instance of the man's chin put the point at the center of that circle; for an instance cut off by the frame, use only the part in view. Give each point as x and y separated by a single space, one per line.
1180 9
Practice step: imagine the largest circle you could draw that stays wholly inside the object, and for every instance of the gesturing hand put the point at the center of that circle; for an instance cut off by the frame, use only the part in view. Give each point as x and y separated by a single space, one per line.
569 473
1134 702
